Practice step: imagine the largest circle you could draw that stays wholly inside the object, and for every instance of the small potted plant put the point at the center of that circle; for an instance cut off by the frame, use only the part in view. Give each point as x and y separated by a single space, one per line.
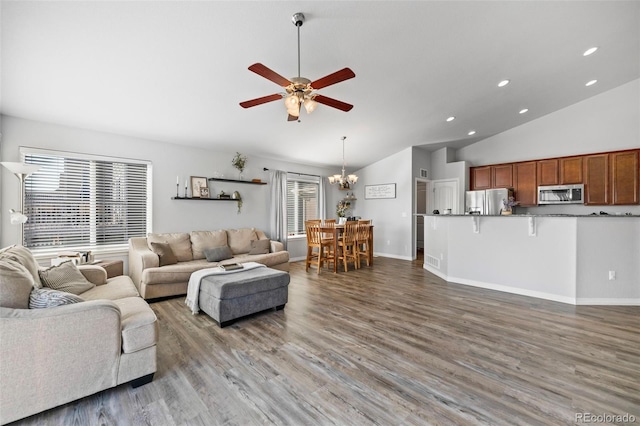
239 162
508 205
341 210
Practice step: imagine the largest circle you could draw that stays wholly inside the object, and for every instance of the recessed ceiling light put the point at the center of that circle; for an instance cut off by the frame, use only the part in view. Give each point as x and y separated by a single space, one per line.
503 83
522 111
590 51
451 118
591 83
471 133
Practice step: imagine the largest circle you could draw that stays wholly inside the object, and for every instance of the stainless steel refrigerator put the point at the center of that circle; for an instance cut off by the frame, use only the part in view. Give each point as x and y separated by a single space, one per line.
486 202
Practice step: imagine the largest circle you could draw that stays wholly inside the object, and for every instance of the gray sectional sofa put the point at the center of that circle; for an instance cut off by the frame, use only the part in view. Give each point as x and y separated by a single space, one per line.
155 277
96 335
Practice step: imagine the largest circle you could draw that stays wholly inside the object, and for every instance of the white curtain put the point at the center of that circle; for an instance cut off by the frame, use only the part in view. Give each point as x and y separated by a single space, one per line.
322 197
278 208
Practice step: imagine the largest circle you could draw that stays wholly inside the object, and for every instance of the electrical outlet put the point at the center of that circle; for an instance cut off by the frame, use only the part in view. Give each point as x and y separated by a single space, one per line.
612 275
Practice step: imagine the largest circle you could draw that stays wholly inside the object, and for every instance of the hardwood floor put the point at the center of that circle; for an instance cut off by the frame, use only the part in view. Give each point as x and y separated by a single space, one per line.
391 345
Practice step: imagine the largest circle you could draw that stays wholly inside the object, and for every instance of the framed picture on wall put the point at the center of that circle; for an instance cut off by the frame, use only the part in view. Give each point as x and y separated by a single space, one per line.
204 192
197 183
385 190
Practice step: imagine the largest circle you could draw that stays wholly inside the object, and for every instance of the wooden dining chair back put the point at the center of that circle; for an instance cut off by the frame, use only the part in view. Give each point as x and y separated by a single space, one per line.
318 248
364 221
347 245
362 242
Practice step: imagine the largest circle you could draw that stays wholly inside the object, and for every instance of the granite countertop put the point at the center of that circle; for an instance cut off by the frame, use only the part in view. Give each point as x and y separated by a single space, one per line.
533 215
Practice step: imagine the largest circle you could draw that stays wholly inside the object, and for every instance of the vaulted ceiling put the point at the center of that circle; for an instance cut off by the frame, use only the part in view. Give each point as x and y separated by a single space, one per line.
176 71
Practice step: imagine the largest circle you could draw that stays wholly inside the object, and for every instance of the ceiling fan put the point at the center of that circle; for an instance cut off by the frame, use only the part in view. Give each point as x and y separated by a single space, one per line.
300 91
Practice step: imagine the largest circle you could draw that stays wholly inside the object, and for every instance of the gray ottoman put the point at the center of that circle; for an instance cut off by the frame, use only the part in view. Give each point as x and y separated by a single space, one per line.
227 297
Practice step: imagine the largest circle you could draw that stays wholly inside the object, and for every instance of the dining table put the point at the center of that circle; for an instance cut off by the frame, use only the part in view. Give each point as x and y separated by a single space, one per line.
336 230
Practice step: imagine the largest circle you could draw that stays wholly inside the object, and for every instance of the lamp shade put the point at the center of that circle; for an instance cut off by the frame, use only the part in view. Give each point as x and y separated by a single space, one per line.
20 169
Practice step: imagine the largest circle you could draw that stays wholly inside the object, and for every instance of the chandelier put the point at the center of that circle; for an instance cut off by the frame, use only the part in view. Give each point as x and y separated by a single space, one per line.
342 179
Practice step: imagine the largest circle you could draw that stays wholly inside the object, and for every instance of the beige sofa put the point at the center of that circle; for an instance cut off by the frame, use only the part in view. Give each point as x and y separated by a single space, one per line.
153 280
55 355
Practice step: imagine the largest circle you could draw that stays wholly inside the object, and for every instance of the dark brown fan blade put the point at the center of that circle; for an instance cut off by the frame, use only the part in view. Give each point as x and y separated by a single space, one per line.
269 74
260 101
292 118
336 77
334 103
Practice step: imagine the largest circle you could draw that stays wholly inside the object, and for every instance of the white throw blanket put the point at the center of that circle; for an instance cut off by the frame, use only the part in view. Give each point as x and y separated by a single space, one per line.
193 290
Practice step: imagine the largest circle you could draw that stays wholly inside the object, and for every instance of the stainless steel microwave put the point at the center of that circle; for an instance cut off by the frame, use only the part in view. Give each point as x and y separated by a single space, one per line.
561 194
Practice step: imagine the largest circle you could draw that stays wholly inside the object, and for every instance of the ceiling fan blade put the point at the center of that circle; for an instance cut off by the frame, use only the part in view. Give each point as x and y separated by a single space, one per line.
334 103
260 101
336 77
269 74
292 118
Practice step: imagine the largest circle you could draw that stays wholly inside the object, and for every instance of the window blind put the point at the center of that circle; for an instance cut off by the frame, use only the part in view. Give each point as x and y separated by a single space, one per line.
78 201
302 204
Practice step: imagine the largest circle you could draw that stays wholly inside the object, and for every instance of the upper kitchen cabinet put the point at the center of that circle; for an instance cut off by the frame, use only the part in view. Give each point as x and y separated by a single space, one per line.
526 187
481 177
548 172
571 170
596 179
502 176
624 177
495 176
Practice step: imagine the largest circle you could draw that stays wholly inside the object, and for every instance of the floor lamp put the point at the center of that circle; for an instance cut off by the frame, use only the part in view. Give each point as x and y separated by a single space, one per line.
22 171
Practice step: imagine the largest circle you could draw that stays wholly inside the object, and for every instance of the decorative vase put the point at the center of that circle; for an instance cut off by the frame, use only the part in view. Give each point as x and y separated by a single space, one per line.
506 212
342 220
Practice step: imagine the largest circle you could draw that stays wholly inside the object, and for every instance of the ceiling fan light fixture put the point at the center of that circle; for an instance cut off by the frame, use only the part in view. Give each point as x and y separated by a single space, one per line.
310 105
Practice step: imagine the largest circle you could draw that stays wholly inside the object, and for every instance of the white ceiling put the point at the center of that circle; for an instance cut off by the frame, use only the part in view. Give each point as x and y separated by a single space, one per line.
176 71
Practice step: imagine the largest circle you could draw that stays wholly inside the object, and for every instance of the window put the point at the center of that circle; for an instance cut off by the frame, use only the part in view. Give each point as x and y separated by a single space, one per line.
302 204
78 201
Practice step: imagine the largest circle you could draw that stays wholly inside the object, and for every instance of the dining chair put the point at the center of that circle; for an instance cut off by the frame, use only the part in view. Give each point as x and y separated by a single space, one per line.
347 245
318 248
362 240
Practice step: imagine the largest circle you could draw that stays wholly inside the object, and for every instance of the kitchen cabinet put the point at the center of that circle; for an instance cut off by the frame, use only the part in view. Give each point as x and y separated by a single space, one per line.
596 179
502 176
571 170
548 172
609 178
624 177
495 176
481 177
526 187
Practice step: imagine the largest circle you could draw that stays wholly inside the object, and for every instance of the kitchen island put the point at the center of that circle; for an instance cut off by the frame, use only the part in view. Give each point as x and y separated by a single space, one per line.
582 260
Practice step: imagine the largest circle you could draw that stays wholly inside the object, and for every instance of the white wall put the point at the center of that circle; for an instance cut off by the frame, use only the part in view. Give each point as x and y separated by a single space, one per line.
169 161
392 218
567 260
606 122
608 244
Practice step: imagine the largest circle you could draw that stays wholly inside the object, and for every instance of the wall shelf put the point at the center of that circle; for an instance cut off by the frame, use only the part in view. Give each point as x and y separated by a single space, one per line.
204 199
237 181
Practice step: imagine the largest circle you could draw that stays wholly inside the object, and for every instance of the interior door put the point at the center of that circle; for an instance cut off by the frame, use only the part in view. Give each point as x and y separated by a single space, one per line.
421 208
445 196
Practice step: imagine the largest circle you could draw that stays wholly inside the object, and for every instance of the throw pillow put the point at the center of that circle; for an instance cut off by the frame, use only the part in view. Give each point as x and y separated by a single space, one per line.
16 283
180 244
239 240
23 256
165 253
49 298
260 247
65 277
217 254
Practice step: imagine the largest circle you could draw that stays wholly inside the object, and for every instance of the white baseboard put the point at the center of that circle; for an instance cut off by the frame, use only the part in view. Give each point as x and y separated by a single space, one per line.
609 302
392 256
531 293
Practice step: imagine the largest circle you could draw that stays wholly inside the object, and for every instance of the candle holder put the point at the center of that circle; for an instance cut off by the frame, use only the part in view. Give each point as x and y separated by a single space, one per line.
177 190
